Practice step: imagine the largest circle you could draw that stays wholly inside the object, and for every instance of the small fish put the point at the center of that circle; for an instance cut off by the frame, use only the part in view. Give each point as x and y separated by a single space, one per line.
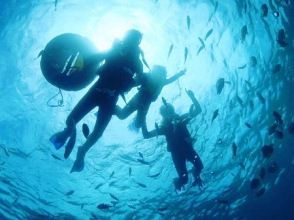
55 4
291 128
155 175
85 130
214 116
248 125
186 54
70 193
242 67
223 201
141 185
55 157
170 50
260 192
244 32
104 206
141 155
281 38
5 149
200 49
278 118
273 167
220 85
253 61
254 184
113 196
279 134
111 175
262 173
260 97
130 171
264 10
272 128
188 20
277 68
208 34
99 185
267 150
162 209
234 149
201 41
240 101
143 161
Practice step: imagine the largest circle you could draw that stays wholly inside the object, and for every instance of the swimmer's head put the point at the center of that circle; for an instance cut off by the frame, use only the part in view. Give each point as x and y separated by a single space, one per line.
132 38
159 72
167 111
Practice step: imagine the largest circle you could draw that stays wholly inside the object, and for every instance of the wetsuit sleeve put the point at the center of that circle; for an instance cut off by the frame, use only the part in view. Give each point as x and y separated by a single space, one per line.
175 77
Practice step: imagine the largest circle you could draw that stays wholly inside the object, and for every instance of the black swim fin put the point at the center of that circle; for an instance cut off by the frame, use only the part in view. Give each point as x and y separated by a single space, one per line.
70 144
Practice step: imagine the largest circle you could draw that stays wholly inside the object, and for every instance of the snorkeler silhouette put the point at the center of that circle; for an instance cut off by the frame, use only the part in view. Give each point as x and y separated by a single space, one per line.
179 140
151 85
116 76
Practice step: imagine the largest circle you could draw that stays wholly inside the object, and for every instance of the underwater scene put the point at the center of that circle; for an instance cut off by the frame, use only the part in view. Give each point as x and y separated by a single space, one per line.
147 109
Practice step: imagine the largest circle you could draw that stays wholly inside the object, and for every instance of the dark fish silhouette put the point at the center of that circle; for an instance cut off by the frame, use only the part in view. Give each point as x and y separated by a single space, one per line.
279 134
260 192
242 67
99 185
141 155
202 45
253 61
260 97
85 130
155 175
234 149
111 175
267 150
262 173
186 54
248 125
214 116
143 161
162 209
272 128
69 193
130 171
291 128
104 206
113 196
141 185
220 85
170 50
244 32
188 20
55 157
264 10
55 4
273 167
278 118
254 184
208 34
281 38
240 101
277 68
223 201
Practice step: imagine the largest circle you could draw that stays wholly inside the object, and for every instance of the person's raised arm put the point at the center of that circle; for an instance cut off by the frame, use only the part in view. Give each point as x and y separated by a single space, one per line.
175 77
195 108
150 134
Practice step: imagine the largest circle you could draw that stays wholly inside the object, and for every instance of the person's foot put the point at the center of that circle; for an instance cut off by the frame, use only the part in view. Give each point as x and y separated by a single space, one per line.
198 182
79 163
177 183
59 139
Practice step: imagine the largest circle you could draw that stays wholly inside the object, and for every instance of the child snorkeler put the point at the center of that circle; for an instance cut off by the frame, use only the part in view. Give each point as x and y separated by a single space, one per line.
179 141
151 85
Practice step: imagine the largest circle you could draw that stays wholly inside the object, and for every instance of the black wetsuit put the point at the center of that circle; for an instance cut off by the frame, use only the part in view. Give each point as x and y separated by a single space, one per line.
180 145
115 78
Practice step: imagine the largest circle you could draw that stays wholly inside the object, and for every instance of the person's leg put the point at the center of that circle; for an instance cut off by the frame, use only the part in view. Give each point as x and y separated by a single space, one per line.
103 118
180 165
141 113
83 107
194 158
132 105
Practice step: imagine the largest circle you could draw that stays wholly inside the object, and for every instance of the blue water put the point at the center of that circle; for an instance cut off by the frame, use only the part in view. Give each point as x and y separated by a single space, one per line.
35 182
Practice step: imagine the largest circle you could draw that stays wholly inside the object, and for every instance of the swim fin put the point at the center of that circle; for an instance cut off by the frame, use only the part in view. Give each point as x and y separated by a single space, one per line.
59 139
70 144
79 163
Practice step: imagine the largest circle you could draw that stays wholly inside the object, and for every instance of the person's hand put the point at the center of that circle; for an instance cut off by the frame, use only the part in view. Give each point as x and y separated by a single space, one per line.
190 93
182 72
